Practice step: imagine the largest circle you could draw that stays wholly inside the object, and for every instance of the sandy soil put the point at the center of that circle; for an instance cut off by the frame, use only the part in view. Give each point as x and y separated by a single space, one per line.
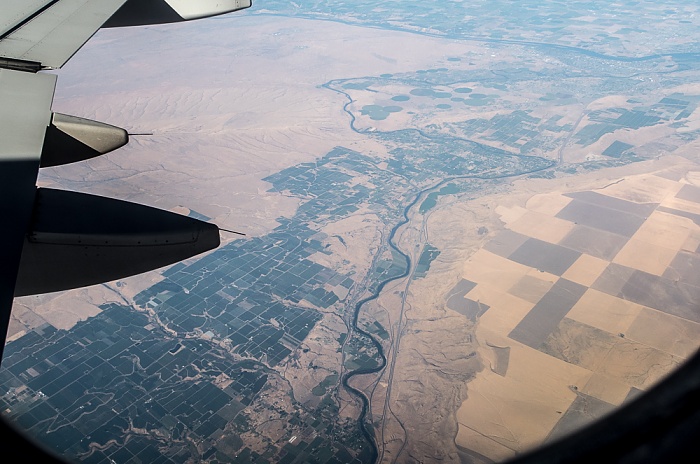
603 347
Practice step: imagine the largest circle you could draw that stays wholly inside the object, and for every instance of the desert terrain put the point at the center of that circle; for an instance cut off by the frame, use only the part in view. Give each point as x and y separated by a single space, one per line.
551 366
456 249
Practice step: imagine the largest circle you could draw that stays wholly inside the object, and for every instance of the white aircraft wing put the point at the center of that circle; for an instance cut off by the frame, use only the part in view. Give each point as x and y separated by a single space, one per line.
54 240
48 32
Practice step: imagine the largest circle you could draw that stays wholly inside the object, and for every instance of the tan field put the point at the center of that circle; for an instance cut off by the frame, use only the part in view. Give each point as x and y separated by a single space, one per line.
665 229
645 256
671 334
518 409
644 189
608 389
605 312
494 271
603 348
585 270
548 204
542 226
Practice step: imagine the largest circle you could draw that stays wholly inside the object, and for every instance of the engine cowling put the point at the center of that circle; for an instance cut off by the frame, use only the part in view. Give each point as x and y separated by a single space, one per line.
143 12
69 139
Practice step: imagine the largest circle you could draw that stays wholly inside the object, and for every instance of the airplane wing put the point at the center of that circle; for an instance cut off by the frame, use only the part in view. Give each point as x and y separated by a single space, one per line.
54 240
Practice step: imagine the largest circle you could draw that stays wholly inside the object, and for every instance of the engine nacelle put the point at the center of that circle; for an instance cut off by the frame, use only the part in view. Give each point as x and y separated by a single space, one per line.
69 139
143 12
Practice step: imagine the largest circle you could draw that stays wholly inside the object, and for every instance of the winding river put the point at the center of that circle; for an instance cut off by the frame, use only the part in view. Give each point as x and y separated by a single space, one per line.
367 432
365 429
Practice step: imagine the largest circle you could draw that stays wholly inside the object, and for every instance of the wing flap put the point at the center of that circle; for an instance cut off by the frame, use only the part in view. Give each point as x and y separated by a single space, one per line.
25 102
54 35
16 13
